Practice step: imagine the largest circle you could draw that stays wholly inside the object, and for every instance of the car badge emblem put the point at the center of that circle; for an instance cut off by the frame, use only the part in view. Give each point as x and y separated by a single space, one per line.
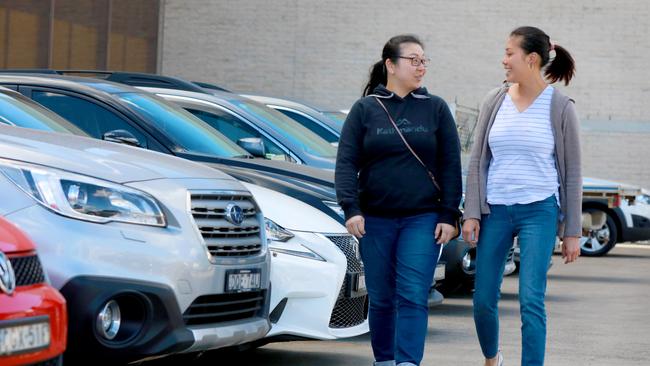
234 214
7 276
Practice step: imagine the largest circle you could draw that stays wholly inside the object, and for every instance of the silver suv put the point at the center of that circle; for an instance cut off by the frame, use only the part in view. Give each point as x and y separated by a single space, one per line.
155 255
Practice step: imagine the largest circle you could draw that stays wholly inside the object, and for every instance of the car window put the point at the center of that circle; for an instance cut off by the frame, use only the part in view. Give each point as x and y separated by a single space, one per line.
186 130
298 134
311 124
94 119
19 111
338 118
235 129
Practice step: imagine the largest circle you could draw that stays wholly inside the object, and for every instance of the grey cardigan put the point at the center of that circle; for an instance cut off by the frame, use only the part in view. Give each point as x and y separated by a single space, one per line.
566 133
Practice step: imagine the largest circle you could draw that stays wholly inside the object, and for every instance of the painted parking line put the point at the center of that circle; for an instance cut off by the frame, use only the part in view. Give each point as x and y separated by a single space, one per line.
634 246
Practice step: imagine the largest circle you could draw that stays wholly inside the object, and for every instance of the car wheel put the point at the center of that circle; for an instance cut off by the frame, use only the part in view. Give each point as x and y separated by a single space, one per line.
596 243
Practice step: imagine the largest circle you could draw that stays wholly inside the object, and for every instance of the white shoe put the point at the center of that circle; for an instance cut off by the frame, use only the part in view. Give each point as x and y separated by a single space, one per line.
499 358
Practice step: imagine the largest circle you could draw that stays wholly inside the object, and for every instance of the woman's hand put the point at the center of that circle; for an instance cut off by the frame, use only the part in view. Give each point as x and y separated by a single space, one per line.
471 228
356 226
570 249
444 232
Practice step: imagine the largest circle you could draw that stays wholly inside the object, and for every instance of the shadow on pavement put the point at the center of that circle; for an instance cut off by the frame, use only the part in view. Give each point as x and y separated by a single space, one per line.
599 279
269 357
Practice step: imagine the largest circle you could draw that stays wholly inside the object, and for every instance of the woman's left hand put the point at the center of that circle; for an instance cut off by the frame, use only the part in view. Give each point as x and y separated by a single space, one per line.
444 232
570 249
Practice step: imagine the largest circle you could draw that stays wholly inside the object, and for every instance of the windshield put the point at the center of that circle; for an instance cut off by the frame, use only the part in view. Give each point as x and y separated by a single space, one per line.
189 132
298 134
20 111
338 118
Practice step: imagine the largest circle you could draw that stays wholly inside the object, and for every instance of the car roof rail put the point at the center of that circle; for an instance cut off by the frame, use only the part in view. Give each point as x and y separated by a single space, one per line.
30 71
210 86
125 77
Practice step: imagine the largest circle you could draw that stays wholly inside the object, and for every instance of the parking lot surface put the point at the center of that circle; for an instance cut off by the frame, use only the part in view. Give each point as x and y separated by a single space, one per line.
598 315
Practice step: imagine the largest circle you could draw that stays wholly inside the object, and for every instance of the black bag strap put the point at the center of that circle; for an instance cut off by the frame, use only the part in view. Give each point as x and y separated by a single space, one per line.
433 178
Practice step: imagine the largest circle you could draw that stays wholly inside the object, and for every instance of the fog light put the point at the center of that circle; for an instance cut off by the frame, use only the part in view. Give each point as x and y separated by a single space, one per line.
109 319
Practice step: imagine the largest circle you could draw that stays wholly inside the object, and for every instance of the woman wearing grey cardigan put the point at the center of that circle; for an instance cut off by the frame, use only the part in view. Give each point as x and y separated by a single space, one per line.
524 179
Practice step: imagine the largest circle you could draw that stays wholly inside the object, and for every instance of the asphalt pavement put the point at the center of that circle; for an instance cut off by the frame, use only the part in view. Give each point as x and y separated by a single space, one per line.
598 315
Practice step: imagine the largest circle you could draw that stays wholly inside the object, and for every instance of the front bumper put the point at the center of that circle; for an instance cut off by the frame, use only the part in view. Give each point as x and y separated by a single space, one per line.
30 303
152 323
322 306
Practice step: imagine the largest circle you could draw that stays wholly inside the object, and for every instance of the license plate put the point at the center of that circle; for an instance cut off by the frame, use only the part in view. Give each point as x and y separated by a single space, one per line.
439 274
361 282
242 280
19 337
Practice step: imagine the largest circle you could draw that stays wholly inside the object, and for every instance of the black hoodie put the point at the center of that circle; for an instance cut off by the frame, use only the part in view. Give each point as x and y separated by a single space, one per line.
377 175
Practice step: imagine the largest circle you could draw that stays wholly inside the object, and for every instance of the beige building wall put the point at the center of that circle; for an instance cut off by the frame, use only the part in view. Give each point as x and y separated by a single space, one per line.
320 51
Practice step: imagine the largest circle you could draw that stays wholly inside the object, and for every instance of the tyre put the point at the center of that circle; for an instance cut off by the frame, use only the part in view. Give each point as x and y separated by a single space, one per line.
459 269
596 243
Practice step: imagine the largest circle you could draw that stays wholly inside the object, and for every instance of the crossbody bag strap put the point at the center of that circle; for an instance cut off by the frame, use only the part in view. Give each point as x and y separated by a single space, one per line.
433 178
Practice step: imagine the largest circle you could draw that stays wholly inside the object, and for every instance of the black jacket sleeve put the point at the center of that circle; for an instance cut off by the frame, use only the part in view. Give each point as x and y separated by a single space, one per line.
348 162
448 172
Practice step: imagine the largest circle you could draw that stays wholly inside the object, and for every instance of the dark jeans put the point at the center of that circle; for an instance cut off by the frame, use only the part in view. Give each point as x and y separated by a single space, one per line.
535 224
400 255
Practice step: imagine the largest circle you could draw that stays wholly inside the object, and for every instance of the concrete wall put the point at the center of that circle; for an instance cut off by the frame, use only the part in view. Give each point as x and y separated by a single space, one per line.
320 51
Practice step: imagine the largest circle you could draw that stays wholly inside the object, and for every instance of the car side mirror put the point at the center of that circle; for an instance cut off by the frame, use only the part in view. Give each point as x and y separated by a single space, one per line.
254 146
121 137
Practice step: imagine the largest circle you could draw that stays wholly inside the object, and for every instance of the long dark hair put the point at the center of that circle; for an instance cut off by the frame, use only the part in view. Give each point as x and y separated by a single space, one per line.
561 68
378 74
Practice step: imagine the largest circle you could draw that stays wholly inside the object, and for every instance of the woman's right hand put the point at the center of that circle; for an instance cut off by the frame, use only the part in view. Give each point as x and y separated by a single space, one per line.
356 226
471 228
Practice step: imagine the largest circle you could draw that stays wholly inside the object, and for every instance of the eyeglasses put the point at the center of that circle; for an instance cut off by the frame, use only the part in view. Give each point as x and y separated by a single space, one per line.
416 61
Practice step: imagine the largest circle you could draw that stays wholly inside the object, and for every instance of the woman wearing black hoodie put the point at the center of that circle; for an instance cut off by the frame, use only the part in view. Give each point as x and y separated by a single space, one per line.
400 192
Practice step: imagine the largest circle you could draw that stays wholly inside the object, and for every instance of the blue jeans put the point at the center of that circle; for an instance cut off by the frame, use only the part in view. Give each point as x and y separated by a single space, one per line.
399 256
535 224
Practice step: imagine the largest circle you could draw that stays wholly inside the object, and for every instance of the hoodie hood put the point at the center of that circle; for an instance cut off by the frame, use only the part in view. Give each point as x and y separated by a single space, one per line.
381 92
95 158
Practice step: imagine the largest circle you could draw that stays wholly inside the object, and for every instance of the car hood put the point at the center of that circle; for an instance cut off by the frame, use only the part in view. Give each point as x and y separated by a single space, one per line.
596 183
291 213
279 168
12 239
100 159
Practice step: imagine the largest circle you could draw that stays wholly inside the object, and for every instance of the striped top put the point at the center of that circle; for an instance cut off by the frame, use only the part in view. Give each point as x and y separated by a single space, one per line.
522 169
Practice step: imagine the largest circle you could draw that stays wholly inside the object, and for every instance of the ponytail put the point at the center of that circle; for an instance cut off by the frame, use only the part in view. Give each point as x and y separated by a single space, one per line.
562 68
377 76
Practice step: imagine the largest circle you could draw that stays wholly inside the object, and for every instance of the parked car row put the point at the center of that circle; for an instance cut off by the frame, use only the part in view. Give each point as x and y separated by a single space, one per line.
158 255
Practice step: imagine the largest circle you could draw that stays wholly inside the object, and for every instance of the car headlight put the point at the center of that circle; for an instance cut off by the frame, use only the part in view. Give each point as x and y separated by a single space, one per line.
82 197
335 207
276 232
278 236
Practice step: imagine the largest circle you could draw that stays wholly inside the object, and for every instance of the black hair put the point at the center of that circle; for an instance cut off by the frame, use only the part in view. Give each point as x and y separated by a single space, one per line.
378 74
561 68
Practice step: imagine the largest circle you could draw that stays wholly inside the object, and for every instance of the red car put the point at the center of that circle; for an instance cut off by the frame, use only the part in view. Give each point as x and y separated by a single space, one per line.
33 318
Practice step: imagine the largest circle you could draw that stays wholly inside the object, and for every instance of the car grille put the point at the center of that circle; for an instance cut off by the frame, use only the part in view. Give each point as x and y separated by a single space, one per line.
350 247
28 270
223 238
348 311
210 309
